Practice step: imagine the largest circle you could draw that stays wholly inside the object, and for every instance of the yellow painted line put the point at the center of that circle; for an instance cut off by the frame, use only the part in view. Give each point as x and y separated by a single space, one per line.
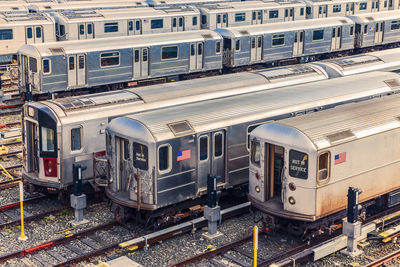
135 247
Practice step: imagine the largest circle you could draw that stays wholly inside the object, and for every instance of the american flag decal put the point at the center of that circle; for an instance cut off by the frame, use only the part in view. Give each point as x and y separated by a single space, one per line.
340 158
182 155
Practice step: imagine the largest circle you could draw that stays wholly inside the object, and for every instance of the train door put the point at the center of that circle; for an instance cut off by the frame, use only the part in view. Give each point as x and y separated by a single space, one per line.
76 70
336 38
32 147
256 17
298 43
29 38
123 164
349 9
196 56
379 26
322 11
134 27
211 157
85 31
274 163
177 24
222 20
140 63
289 14
256 48
375 6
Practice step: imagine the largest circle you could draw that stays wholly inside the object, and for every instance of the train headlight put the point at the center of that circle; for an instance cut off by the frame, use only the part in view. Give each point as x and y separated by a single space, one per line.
292 186
292 200
258 189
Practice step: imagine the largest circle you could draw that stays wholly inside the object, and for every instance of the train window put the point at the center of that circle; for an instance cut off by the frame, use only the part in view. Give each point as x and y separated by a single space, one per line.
108 145
365 29
125 144
308 10
90 28
29 33
286 13
71 63
203 148
81 62
278 39
237 45
137 25
169 52
259 41
218 18
291 12
323 166
259 15
333 32
38 32
199 49
320 10
192 50
318 35
203 19
111 27
249 130
81 29
302 11
373 4
164 158
298 164
194 21
255 153
347 7
62 30
218 47
140 156
109 59
254 16
224 18
47 140
395 25
46 66
157 23
174 22
130 25
363 6
385 4
351 30
145 54
240 17
137 58
253 42
337 8
180 22
32 64
76 136
218 145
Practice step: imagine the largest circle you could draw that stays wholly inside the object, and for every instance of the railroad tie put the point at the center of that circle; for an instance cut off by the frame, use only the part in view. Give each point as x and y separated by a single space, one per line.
236 260
56 255
217 263
11 214
42 260
74 249
88 242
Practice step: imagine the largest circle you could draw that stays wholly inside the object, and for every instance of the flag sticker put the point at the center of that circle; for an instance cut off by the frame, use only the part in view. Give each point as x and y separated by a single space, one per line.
182 155
340 158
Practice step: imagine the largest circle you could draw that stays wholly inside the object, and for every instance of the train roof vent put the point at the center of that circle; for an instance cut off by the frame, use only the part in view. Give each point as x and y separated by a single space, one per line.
244 32
74 103
393 83
207 36
47 7
369 18
81 14
340 136
15 8
343 21
356 60
180 128
57 50
285 72
138 3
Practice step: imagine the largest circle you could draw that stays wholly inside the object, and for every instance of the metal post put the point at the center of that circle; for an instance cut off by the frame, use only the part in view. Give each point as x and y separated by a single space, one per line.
21 201
255 245
212 212
78 199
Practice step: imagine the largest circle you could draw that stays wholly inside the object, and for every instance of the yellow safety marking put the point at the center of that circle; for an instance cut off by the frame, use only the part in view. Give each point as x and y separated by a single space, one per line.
132 248
124 244
3 150
68 235
384 234
6 172
66 230
386 239
210 248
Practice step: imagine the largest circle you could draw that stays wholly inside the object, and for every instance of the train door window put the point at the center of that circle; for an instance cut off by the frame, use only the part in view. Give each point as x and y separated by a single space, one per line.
278 39
169 52
255 155
180 22
291 12
259 14
318 35
111 27
302 11
82 29
76 139
126 149
347 7
137 58
259 41
286 13
194 21
199 49
203 19
71 63
273 14
47 140
164 158
29 33
32 64
157 24
323 166
351 30
90 28
253 42
298 164
254 15
137 25
218 18
390 3
145 57
46 66
333 32
109 59
130 25
218 47
237 45
203 148
81 61
385 4
373 4
62 30
320 10
140 156
174 22
218 145
192 49
224 18
38 32
365 29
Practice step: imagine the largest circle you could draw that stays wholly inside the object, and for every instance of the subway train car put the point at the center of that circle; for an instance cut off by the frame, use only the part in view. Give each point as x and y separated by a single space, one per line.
301 168
60 66
43 7
67 130
161 158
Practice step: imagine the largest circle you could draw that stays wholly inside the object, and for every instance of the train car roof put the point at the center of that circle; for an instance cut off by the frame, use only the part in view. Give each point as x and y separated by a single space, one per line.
244 6
378 16
13 8
336 126
84 5
24 19
283 26
108 44
329 2
181 2
219 113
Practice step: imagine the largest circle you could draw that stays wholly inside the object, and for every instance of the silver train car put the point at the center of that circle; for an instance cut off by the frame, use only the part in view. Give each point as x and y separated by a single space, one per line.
121 59
162 157
301 168
67 130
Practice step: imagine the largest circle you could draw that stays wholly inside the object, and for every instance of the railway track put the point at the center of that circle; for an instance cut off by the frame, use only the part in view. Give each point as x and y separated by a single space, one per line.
394 256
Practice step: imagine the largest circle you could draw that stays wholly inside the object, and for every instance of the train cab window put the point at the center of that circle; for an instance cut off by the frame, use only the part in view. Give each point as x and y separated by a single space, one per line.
203 19
111 27
218 47
278 39
32 64
351 30
298 164
46 66
76 138
108 145
200 49
38 32
323 166
203 148
194 21
62 30
395 25
140 156
137 25
109 59
302 11
240 17
218 145
71 63
164 158
89 28
237 45
318 35
125 144
255 152
81 29
157 24
169 52
29 33
47 140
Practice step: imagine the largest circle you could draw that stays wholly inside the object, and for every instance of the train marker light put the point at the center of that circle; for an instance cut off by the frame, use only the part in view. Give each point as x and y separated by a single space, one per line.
257 189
